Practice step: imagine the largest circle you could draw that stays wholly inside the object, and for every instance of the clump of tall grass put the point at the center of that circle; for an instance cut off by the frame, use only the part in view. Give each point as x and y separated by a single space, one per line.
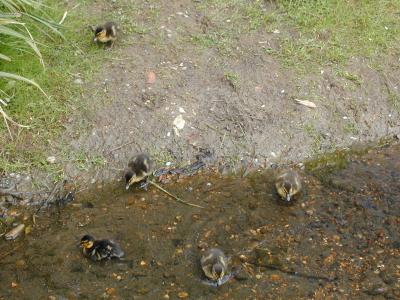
17 20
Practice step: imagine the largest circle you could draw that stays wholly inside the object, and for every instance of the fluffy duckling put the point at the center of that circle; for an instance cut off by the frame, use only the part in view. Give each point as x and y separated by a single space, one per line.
215 265
106 34
288 185
98 250
139 168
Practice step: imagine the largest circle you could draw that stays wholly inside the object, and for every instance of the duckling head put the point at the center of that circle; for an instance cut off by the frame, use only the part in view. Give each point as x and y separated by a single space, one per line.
130 178
288 191
87 241
100 34
218 272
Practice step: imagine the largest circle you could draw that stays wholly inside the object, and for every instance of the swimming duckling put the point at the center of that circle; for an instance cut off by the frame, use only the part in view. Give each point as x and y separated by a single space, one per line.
106 33
288 185
98 250
215 265
140 167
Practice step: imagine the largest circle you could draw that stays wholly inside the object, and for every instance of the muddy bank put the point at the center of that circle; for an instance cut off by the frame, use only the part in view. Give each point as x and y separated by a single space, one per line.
235 98
340 240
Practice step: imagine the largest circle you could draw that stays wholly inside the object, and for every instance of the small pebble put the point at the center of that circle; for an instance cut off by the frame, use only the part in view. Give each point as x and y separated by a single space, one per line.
51 159
78 81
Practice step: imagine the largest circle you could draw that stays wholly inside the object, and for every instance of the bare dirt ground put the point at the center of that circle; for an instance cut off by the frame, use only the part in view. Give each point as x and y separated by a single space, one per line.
174 62
239 102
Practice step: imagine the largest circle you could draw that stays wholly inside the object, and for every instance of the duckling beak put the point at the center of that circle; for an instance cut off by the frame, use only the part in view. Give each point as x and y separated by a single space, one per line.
288 198
219 282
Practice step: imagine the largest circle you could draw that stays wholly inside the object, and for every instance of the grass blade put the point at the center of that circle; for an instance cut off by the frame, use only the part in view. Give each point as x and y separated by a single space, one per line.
20 78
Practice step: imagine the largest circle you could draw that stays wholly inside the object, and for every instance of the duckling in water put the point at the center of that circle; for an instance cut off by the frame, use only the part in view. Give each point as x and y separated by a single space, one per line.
98 250
140 167
288 185
215 265
106 33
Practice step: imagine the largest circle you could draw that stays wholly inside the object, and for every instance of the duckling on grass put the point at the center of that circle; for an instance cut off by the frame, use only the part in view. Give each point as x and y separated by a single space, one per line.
215 265
139 168
288 185
98 250
106 34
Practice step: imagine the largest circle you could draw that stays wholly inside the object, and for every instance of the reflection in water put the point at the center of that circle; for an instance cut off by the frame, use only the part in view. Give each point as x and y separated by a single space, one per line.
340 240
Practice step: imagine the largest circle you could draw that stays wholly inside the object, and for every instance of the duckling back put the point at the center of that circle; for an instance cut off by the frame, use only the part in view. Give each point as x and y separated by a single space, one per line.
141 164
210 258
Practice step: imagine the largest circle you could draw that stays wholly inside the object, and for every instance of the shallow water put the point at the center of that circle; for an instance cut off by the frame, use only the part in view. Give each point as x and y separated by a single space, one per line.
340 240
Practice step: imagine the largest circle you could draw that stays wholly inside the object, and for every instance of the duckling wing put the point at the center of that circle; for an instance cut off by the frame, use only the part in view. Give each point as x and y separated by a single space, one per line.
109 249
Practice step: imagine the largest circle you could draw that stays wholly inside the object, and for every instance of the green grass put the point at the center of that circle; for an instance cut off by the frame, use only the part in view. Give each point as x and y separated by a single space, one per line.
332 31
311 32
233 79
394 100
64 61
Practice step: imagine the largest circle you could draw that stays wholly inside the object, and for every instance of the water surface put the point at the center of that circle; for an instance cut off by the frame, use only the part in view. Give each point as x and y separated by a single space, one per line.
340 240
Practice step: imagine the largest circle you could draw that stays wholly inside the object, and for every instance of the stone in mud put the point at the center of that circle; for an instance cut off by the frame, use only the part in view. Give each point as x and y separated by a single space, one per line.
391 272
373 285
242 276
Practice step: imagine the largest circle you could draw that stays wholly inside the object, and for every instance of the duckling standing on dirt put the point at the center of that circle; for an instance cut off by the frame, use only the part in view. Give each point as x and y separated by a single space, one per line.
139 168
215 265
288 185
98 250
106 34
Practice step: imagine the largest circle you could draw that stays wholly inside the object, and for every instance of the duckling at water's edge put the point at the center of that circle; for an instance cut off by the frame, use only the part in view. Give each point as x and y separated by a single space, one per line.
98 250
288 185
139 168
215 265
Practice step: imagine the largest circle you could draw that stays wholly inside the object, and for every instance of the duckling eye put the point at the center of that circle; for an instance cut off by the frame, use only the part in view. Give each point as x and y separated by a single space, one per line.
100 33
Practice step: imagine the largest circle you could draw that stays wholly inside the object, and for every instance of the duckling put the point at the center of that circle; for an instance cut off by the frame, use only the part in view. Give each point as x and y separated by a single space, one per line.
288 185
98 250
215 265
106 33
140 167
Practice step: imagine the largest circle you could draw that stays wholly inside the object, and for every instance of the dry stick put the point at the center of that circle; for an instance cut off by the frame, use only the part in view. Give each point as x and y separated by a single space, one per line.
120 146
9 252
175 197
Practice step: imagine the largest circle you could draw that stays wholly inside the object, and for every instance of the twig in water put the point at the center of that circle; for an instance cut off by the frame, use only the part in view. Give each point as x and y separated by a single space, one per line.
9 252
294 273
173 196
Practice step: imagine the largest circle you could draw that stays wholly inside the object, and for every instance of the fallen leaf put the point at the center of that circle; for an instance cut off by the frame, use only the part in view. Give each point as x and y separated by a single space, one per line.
150 77
306 103
15 232
179 122
275 277
183 295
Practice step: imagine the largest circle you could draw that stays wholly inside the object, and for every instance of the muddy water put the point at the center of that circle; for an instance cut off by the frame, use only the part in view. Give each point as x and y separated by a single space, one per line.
340 240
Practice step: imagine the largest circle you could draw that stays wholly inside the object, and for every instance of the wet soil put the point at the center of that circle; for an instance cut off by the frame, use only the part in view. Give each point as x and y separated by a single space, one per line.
340 240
